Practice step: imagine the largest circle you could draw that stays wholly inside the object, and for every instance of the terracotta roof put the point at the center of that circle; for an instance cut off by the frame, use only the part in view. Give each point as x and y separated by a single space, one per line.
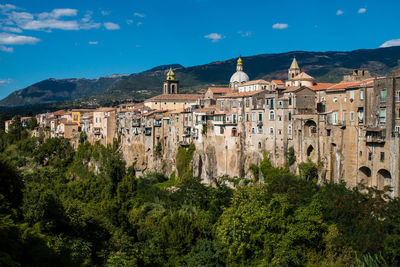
177 97
242 94
220 90
104 109
154 112
344 85
25 118
321 86
303 76
278 82
177 111
254 82
60 112
83 110
205 110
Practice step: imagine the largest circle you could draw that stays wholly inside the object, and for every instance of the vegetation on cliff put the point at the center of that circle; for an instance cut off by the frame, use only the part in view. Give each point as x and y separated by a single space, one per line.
60 207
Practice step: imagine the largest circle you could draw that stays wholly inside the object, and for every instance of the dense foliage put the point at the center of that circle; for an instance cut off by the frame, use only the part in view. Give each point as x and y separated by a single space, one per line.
66 207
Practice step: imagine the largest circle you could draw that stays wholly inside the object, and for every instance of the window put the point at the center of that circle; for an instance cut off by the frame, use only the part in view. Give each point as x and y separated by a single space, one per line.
267 101
382 115
253 116
334 118
290 116
397 113
360 115
280 103
221 130
234 118
253 131
328 132
352 94
169 122
177 119
360 132
272 104
247 117
222 104
247 102
234 104
271 115
335 99
290 100
369 155
290 130
351 116
280 131
383 95
361 94
397 129
260 116
382 156
397 95
271 130
190 117
260 129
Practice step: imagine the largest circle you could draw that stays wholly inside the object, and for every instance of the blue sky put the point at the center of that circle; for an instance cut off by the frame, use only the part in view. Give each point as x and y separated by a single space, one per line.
65 39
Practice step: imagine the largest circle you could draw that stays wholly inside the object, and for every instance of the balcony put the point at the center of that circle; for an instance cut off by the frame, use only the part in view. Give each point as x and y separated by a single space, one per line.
186 131
147 131
375 139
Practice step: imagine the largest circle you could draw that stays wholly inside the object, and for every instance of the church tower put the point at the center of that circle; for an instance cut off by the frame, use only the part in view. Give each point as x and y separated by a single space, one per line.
294 69
171 86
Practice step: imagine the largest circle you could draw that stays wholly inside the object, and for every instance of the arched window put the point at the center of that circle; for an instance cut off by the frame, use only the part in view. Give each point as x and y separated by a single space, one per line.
271 115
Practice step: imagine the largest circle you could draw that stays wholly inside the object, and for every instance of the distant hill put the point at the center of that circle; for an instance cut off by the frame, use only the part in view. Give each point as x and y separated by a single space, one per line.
324 66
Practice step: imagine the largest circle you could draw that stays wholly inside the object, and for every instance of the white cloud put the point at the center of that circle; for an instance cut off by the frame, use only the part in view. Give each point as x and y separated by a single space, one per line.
129 21
280 26
245 34
13 39
139 23
136 14
87 17
6 49
5 81
58 13
339 12
10 29
362 10
111 26
390 43
215 37
7 7
51 24
93 42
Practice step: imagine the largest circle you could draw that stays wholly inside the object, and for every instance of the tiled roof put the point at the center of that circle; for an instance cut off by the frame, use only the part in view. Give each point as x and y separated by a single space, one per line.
177 97
60 112
104 109
242 94
290 89
321 86
278 82
205 110
83 110
254 82
220 90
344 85
303 76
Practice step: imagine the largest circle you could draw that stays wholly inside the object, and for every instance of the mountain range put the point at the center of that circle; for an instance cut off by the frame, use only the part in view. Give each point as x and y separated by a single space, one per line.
323 66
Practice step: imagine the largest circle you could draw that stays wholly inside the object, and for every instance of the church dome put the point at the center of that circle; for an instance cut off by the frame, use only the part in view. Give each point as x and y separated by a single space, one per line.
239 77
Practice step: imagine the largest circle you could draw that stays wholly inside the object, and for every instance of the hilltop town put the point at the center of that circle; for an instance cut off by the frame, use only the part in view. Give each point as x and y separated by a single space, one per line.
350 129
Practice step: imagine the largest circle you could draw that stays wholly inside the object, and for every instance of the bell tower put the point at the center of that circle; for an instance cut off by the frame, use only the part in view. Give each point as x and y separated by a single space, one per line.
294 69
171 86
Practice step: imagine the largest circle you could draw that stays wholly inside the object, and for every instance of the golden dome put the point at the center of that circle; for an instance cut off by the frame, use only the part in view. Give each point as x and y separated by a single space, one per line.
170 75
240 62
